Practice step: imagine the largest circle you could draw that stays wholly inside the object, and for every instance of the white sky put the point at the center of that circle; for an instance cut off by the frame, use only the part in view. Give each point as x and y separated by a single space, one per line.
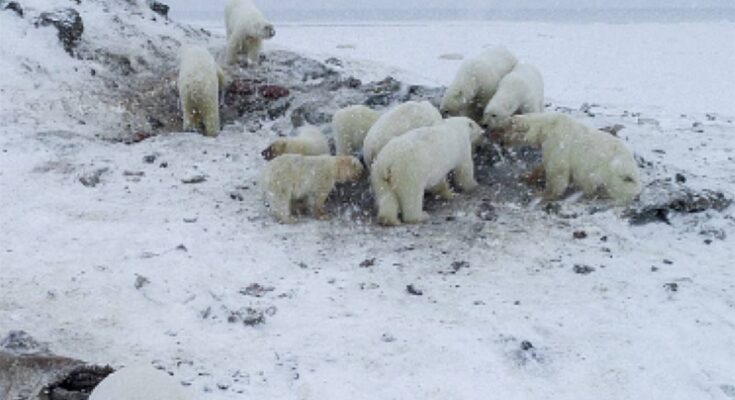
454 4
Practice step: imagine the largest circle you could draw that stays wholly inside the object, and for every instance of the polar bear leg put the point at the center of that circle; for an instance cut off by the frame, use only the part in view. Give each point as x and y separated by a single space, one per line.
316 204
253 50
190 115
464 175
233 50
385 200
411 198
281 209
557 181
211 121
443 190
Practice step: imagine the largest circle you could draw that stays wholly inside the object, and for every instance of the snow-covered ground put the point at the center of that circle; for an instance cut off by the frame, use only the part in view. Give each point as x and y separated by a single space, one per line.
143 268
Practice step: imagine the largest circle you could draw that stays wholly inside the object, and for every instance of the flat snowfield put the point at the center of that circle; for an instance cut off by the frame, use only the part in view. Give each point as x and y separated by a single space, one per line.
173 259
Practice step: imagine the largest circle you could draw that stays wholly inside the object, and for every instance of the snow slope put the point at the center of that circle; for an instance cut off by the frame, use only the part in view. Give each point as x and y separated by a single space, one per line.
144 268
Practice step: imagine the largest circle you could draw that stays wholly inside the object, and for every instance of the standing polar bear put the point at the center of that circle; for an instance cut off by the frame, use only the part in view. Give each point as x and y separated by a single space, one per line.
200 82
476 83
595 161
139 383
292 177
395 122
310 142
420 160
246 28
350 125
519 92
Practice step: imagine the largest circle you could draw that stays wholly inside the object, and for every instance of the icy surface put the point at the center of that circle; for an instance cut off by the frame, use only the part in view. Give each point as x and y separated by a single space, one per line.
490 299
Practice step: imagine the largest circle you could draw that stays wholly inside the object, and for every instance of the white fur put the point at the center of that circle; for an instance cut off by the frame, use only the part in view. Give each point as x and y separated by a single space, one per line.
200 81
519 92
476 83
139 383
395 122
420 160
350 126
574 153
310 142
246 28
292 177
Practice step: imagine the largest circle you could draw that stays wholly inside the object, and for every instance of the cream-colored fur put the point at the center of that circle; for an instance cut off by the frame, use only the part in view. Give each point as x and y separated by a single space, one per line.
395 122
519 92
573 153
310 142
140 383
419 161
350 126
246 28
476 82
200 82
291 178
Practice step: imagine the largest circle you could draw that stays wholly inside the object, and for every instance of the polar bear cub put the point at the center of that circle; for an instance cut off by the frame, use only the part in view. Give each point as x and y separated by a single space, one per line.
246 28
595 161
292 177
200 82
519 92
420 160
309 142
395 122
139 383
476 83
350 125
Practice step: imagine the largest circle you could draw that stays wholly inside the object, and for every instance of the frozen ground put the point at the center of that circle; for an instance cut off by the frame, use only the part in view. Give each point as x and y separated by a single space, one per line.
144 268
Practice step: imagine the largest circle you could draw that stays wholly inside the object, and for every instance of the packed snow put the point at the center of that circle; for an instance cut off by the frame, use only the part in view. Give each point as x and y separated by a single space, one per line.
163 253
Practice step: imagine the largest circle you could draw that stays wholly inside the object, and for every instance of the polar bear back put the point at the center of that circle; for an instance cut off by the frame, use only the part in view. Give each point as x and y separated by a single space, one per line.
476 82
519 92
296 176
237 11
139 383
427 154
350 126
395 122
198 72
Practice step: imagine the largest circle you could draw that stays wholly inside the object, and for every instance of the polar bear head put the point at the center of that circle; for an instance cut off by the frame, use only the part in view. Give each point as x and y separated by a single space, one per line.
456 101
277 148
464 124
495 117
348 168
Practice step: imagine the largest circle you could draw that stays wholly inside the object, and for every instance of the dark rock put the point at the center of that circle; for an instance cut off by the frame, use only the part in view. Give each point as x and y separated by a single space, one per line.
194 180
613 129
159 8
579 235
351 82
273 92
14 6
256 290
583 269
526 345
69 24
150 159
671 286
93 178
21 343
680 178
486 212
309 113
367 263
333 61
141 281
237 196
278 108
682 201
412 290
155 123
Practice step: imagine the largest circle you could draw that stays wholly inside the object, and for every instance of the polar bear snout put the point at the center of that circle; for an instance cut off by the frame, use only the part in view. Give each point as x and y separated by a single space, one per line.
274 150
269 31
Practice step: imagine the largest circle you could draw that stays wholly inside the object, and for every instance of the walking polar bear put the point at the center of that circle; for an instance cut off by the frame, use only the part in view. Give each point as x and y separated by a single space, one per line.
246 29
476 83
420 160
200 82
396 122
350 126
310 142
519 92
292 177
595 161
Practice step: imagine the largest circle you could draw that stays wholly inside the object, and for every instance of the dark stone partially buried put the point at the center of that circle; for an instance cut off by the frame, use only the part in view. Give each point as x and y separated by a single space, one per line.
14 6
159 8
68 23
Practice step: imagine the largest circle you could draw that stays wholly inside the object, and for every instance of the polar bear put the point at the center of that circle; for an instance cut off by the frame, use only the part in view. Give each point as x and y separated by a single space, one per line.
293 177
519 92
350 125
420 160
246 28
310 142
395 122
138 383
595 161
476 83
200 82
